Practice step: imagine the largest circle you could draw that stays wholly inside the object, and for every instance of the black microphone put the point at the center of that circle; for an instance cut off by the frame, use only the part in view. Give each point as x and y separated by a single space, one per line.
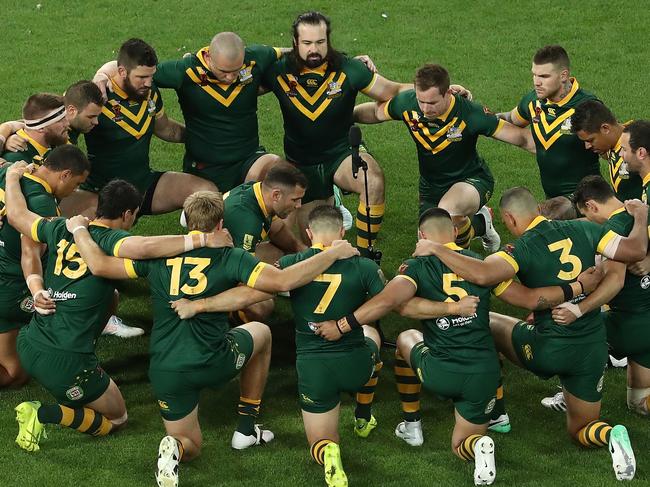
354 136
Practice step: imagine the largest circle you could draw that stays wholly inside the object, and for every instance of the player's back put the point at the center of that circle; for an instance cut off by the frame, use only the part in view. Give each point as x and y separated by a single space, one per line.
246 216
338 291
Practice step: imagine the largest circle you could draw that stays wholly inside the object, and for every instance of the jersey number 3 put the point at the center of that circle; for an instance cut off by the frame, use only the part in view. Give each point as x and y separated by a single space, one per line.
564 246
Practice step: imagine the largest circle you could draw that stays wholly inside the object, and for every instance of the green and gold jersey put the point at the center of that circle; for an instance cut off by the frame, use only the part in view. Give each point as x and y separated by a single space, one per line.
463 344
245 216
551 253
626 185
645 195
635 295
41 201
220 119
82 299
183 345
337 292
73 136
446 145
119 146
317 106
562 157
35 152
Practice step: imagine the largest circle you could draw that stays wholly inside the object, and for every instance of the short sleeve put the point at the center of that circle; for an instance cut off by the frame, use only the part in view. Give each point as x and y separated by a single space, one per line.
360 77
287 261
264 56
142 268
159 101
409 271
522 109
170 74
514 254
480 121
245 229
397 105
111 240
373 278
243 267
43 205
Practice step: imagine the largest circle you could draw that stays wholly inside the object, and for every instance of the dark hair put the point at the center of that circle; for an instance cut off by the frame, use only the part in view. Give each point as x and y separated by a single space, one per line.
639 131
326 213
431 75
83 93
40 104
594 188
590 115
434 213
136 52
553 54
285 174
334 58
117 197
67 157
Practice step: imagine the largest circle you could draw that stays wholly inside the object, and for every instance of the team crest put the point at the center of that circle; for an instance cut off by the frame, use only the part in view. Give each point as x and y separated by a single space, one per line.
151 107
623 172
490 405
454 134
241 359
163 405
645 282
334 90
565 128
528 352
538 111
74 393
117 113
414 124
246 75
27 305
248 242
204 81
402 268
293 88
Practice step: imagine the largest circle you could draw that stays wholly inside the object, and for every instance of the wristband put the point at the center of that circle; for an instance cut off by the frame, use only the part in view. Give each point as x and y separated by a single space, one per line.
582 288
31 277
352 321
80 227
338 327
568 291
189 243
343 326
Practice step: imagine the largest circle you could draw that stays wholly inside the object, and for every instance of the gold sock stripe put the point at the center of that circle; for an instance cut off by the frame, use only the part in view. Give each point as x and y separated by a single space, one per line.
317 450
409 388
411 407
404 371
500 392
105 427
378 367
466 448
594 434
67 416
254 402
181 449
365 398
376 211
88 418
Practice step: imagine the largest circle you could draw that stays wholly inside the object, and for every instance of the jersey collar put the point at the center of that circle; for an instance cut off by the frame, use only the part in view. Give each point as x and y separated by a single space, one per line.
200 54
320 246
453 246
41 149
321 70
646 180
257 189
40 181
574 88
538 219
445 115
616 212
119 91
95 223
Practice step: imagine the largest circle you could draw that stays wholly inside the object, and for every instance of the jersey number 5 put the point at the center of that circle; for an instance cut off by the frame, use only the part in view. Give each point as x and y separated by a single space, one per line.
68 252
334 281
564 246
196 273
449 289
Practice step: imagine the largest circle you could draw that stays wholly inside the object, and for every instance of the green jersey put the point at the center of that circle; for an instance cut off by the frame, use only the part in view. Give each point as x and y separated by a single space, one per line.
562 157
464 344
552 253
118 147
446 145
337 292
220 119
35 152
317 106
635 295
626 185
82 300
183 345
245 216
645 195
41 201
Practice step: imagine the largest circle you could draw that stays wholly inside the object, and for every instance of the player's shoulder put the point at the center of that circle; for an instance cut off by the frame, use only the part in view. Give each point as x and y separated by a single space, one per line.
528 97
257 52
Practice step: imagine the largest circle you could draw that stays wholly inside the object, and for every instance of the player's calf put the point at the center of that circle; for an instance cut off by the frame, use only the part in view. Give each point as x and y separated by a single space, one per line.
638 400
328 454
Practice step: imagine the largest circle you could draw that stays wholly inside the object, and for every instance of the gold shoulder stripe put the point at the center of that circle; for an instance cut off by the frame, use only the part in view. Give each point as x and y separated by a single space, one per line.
602 245
34 229
498 291
252 279
130 269
509 259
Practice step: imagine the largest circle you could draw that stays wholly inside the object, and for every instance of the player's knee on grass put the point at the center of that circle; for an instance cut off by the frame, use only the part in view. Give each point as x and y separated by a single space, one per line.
637 400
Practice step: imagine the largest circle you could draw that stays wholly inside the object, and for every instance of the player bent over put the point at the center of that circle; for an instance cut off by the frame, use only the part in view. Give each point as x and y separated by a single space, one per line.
188 355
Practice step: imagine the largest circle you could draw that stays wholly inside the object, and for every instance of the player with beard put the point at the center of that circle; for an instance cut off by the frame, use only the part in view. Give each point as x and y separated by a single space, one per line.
119 146
45 127
317 87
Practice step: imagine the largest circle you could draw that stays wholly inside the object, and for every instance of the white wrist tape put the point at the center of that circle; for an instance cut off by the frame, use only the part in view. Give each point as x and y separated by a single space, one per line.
32 277
574 308
42 311
189 243
80 227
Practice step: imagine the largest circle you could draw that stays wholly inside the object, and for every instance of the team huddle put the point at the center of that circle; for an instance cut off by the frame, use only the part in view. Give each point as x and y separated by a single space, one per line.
260 224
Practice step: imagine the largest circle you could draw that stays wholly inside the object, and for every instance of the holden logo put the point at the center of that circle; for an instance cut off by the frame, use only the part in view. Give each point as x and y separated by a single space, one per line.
443 323
645 282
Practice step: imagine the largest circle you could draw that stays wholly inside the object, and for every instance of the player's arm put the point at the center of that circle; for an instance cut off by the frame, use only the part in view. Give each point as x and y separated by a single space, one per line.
371 112
103 75
632 248
425 309
609 287
383 89
513 117
155 247
7 129
282 237
20 217
489 272
642 267
234 299
272 280
515 135
168 129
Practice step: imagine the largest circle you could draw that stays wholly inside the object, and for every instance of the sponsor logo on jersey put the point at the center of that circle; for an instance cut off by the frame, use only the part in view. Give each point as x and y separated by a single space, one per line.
117 113
74 393
312 82
490 405
163 405
551 112
61 295
27 305
645 282
334 90
241 359
443 323
528 352
599 387
2 243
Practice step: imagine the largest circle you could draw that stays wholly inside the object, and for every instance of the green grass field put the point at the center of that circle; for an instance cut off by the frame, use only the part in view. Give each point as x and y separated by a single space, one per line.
487 46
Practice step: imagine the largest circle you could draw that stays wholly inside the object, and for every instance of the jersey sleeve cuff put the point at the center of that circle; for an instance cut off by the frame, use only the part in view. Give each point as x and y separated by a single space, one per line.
604 242
118 244
509 259
497 291
130 269
387 111
500 125
34 230
409 279
518 116
369 85
252 279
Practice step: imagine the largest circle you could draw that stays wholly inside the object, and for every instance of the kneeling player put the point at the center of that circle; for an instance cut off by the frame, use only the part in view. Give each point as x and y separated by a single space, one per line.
188 355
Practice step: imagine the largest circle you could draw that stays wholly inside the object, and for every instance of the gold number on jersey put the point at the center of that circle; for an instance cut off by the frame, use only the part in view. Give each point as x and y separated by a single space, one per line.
566 258
196 273
450 290
71 255
334 281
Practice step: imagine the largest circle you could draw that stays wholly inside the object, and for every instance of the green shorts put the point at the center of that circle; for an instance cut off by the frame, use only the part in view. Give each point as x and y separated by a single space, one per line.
16 305
320 177
142 185
225 177
322 377
178 392
579 366
74 379
628 335
430 195
473 394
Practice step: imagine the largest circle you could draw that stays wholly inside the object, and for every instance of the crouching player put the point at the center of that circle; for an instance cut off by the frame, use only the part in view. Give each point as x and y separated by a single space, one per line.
188 355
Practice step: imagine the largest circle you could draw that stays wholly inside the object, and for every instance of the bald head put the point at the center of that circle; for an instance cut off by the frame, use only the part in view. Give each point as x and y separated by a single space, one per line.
436 224
227 44
519 201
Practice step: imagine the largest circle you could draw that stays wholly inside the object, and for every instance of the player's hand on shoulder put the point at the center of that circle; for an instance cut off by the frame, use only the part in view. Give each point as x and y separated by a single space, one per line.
466 306
17 169
75 222
425 247
219 238
590 278
328 330
343 249
184 308
462 91
636 207
365 59
16 143
101 80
